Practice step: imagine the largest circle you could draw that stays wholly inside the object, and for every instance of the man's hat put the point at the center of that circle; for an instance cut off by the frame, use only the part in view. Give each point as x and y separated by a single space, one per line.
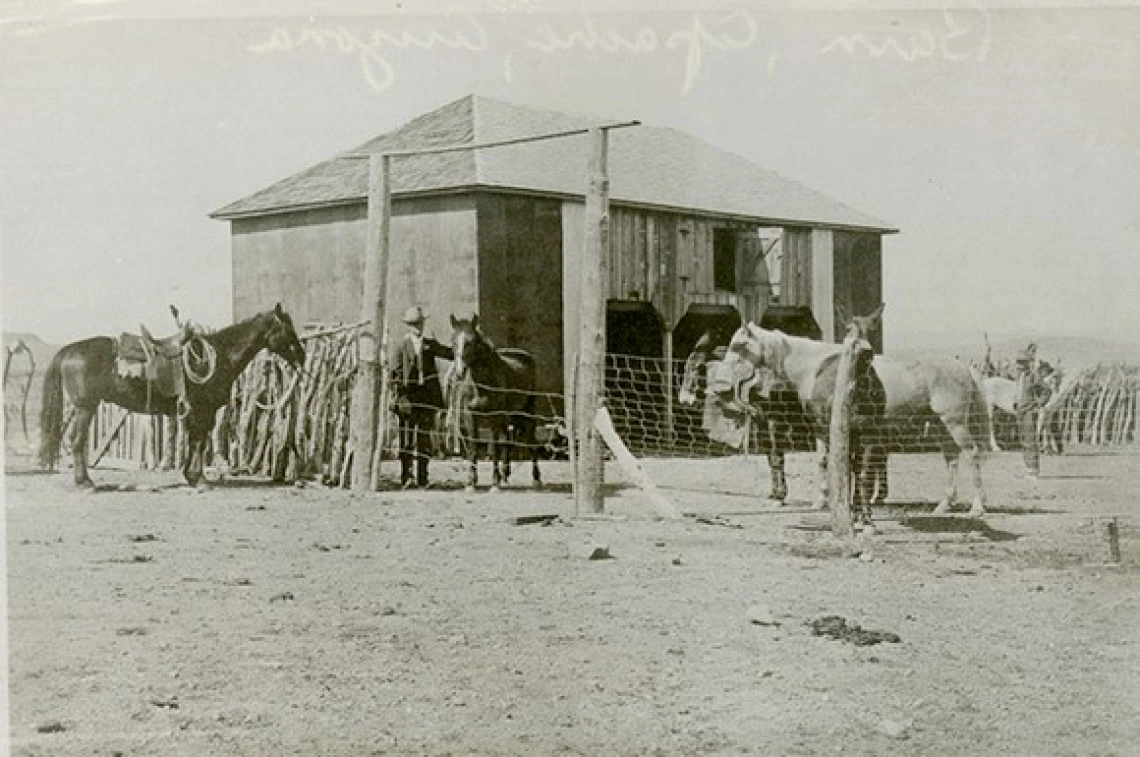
414 315
1025 356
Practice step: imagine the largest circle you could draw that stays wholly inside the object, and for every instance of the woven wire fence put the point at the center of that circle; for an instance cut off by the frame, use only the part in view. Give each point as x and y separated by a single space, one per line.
287 424
642 394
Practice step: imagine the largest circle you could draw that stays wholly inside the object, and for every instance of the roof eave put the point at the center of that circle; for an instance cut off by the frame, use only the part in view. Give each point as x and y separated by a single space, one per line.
222 215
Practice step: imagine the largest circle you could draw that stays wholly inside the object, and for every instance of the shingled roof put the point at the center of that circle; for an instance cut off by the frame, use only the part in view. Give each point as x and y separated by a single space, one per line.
648 166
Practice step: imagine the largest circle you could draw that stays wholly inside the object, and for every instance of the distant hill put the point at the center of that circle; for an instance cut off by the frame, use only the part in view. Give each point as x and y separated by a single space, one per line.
42 352
1069 351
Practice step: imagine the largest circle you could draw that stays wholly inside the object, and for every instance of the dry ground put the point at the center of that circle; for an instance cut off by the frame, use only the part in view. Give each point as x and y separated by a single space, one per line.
254 619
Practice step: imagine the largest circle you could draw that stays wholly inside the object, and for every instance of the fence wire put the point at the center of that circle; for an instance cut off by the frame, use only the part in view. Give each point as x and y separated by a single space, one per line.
284 424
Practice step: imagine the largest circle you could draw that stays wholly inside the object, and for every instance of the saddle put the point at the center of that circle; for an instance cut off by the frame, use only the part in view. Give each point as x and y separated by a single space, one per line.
159 361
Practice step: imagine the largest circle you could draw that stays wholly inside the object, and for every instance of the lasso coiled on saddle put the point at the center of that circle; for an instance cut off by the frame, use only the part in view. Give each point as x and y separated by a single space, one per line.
207 355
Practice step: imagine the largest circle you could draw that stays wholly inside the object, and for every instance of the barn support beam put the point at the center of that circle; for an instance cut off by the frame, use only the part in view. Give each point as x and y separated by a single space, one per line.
591 327
365 391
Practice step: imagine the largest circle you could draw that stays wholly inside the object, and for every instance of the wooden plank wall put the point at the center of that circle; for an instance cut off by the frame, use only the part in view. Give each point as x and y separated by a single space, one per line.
520 279
434 248
858 264
665 258
310 262
797 273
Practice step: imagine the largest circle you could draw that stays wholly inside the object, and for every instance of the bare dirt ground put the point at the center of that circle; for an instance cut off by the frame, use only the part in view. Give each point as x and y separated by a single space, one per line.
254 619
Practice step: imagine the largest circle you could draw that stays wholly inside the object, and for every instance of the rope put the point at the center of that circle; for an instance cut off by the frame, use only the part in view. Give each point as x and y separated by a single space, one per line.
209 356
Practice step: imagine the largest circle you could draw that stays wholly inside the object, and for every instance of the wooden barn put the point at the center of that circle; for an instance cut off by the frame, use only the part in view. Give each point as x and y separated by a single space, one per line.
697 235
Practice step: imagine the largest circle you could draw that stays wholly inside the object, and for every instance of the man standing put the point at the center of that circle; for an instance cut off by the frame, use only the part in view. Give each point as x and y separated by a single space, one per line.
416 387
1032 393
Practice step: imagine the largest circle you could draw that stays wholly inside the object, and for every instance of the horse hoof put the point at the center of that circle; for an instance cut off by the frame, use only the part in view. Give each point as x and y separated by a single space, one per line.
87 485
469 488
495 489
943 507
819 506
977 511
775 501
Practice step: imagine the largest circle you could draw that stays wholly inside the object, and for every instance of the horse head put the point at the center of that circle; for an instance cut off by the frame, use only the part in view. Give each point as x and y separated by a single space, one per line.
468 343
281 338
694 369
750 366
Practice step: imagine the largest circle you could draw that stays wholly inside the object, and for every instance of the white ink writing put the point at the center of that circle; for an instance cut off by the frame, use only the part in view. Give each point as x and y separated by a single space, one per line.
963 35
734 31
369 47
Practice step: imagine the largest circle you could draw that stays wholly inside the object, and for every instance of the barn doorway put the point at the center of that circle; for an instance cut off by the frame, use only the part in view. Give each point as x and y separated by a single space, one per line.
633 327
636 388
794 320
720 321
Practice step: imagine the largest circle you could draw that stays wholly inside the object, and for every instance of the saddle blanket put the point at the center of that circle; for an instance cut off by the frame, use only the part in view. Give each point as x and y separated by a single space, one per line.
164 371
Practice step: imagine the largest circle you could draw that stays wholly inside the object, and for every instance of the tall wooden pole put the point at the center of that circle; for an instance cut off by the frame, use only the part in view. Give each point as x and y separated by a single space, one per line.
365 389
839 443
592 326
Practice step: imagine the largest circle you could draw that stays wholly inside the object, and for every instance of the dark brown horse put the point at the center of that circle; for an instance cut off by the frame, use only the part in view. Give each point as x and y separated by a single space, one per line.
500 384
85 372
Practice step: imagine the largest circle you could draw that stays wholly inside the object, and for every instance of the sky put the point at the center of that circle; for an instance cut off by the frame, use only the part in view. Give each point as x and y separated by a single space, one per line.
1003 141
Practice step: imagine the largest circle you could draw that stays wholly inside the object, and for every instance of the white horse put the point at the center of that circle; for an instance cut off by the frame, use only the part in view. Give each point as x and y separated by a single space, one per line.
999 392
917 392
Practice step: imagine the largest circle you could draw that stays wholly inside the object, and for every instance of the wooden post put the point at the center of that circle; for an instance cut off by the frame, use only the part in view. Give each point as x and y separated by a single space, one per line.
572 432
364 393
670 435
839 444
591 326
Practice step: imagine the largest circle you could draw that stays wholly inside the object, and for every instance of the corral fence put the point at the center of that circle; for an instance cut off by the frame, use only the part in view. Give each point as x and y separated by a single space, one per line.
285 425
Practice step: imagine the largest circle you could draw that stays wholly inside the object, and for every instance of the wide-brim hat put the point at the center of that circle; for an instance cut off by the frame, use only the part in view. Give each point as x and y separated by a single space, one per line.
414 315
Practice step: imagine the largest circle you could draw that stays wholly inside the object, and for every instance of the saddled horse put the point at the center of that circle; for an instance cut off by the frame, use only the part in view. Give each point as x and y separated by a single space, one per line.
769 410
497 385
85 373
915 392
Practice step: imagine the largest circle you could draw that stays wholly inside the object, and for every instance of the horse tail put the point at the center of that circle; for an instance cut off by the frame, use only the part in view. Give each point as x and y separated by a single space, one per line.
51 414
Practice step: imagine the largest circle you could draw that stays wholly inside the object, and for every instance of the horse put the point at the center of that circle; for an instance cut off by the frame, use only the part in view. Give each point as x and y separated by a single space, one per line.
1002 393
497 385
85 372
709 350
915 392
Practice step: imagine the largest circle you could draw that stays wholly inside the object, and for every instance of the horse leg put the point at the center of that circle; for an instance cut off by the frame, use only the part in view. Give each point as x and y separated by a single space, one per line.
994 446
821 503
496 474
196 434
532 439
508 448
878 486
473 474
779 489
77 438
950 453
965 447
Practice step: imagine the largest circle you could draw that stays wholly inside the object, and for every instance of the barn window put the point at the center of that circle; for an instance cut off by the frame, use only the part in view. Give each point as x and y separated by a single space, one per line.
724 260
